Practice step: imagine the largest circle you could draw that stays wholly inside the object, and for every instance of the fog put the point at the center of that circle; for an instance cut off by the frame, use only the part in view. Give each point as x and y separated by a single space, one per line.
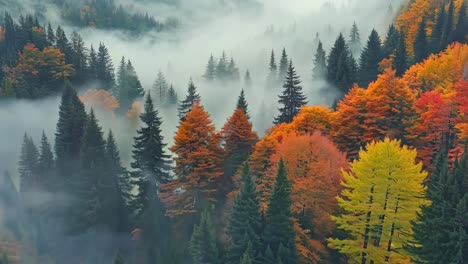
247 32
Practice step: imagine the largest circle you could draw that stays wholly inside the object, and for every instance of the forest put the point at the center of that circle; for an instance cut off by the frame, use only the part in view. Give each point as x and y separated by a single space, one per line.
233 131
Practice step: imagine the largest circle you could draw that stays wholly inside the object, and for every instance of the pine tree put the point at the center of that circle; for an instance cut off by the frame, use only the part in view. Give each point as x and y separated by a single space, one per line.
283 66
222 72
150 162
191 97
242 104
46 164
203 242
68 135
369 61
279 231
319 71
391 41
355 40
172 97
420 44
121 78
62 43
400 62
92 64
232 71
105 68
78 57
292 98
160 88
447 32
131 88
273 69
210 72
28 166
50 35
247 80
341 70
461 28
245 222
435 40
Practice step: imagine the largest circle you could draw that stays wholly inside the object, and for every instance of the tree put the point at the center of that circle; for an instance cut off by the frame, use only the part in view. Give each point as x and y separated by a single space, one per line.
283 66
239 140
292 98
420 44
341 70
319 71
245 222
203 242
355 40
104 68
62 43
160 88
370 58
232 71
28 166
437 31
46 164
383 193
400 62
50 35
9 198
92 64
79 57
198 165
190 99
172 97
273 69
247 80
222 71
447 31
461 28
150 162
279 232
242 103
391 41
210 72
133 88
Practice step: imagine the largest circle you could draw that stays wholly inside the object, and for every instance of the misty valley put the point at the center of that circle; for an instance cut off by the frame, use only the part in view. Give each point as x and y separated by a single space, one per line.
233 131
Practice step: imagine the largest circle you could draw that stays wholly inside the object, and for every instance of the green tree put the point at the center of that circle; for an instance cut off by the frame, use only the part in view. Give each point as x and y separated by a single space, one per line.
232 71
28 165
203 242
273 69
105 68
400 62
283 65
160 88
191 97
78 57
355 40
461 28
46 164
435 40
391 41
222 71
319 71
292 98
369 61
341 66
242 104
245 222
210 71
447 32
172 97
420 44
279 232
247 80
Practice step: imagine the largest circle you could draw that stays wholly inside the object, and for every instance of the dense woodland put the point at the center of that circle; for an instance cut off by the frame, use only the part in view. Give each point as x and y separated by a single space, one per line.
380 176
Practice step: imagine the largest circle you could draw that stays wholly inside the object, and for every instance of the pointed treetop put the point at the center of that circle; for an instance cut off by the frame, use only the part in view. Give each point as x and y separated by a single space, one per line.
242 103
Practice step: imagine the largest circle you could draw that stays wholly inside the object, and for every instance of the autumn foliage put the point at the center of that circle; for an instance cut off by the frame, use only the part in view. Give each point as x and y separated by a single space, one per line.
100 99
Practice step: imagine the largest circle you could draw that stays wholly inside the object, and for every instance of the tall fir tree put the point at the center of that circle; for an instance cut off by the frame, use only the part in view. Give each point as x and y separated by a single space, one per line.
92 64
420 44
46 164
319 71
272 70
292 97
130 88
283 65
210 71
160 88
391 41
203 242
191 97
222 71
233 71
279 231
79 57
50 35
247 80
355 40
244 228
400 62
461 28
62 43
341 66
172 97
121 80
242 103
28 166
370 58
447 31
105 68
437 31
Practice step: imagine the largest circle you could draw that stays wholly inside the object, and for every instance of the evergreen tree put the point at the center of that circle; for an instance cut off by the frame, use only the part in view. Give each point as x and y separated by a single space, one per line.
435 40
63 44
92 64
391 41
283 66
160 88
247 80
461 28
370 58
203 242
121 78
355 40
420 44
232 71
172 97
242 104
222 71
273 69
78 57
130 88
245 222
400 62
292 98
46 163
341 70
279 231
11 45
28 165
447 31
191 97
105 68
210 72
319 71
50 35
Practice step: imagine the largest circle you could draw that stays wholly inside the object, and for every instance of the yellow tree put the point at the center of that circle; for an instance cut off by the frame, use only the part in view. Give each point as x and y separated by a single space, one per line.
383 194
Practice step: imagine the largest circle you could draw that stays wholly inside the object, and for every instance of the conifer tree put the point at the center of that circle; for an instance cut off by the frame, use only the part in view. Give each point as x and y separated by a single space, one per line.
121 78
203 242
46 164
160 88
105 68
172 97
447 31
130 88
437 31
247 80
242 104
198 166
150 162
369 61
283 66
273 69
210 71
50 35
461 28
279 231
391 41
232 71
341 66
355 40
245 222
420 44
400 62
63 44
191 97
222 71
92 64
28 165
78 57
319 71
292 98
